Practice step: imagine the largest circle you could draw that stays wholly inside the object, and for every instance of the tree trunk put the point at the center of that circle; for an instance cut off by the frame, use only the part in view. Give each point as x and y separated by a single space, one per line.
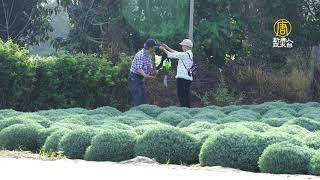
191 19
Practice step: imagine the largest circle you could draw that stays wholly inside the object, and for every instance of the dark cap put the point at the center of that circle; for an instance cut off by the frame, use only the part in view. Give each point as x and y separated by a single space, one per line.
150 43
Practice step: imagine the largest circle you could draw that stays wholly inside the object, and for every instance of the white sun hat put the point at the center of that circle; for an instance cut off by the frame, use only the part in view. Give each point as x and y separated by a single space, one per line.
187 42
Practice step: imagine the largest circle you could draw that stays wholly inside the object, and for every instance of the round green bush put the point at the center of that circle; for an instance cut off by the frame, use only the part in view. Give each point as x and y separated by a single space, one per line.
7 122
235 148
75 143
213 107
67 125
76 111
124 119
231 108
297 106
232 125
288 110
276 113
54 114
116 125
275 136
262 108
212 115
312 115
97 118
198 127
275 122
140 130
187 122
115 146
43 121
176 108
309 109
314 165
7 113
137 114
20 136
45 133
313 140
168 145
285 158
108 111
170 117
151 110
237 116
76 119
145 122
313 104
185 114
52 142
256 126
277 104
245 114
194 111
294 130
306 123
204 135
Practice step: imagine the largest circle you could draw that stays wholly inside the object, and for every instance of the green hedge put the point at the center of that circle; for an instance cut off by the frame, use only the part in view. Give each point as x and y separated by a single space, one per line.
112 145
168 145
61 81
285 158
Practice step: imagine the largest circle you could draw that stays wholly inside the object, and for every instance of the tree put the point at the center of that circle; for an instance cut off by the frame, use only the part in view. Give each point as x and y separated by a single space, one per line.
158 20
244 28
98 27
25 22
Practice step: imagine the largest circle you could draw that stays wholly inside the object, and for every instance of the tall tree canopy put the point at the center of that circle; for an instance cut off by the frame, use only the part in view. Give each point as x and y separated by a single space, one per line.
25 21
245 27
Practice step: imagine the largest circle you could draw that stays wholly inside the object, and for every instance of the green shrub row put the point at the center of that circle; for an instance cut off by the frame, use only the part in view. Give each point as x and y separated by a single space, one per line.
60 81
235 136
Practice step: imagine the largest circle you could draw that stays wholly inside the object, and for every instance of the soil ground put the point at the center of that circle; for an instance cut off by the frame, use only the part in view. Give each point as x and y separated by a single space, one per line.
20 165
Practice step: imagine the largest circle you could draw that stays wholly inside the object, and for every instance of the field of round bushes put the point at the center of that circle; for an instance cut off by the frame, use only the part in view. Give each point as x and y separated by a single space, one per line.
273 137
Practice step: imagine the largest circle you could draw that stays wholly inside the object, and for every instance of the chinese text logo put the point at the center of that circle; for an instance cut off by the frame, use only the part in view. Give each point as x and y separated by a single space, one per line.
282 29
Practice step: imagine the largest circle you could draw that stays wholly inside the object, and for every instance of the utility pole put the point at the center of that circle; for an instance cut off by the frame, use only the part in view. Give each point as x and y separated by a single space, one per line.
191 19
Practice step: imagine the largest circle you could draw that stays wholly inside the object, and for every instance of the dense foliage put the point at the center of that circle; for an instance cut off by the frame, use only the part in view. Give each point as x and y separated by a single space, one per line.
60 81
237 148
115 145
285 158
25 22
168 145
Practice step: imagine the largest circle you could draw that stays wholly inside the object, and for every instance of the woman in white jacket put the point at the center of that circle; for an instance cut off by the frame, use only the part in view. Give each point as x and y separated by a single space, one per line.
185 62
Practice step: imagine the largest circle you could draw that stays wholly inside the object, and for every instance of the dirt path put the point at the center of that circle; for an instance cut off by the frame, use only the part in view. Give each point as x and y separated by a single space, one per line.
140 169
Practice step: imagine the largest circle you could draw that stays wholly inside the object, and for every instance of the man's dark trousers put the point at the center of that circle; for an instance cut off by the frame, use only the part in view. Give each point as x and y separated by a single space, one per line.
183 91
136 88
